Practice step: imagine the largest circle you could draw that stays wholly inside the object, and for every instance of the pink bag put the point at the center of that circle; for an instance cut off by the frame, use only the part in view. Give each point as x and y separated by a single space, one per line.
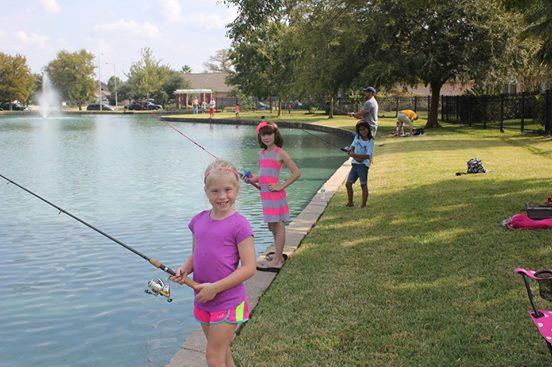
522 221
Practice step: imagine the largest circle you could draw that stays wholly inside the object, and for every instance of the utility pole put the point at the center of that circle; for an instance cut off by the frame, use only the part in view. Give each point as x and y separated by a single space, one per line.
99 82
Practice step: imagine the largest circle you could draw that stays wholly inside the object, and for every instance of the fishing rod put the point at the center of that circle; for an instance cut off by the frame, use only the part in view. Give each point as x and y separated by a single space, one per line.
245 176
156 287
325 141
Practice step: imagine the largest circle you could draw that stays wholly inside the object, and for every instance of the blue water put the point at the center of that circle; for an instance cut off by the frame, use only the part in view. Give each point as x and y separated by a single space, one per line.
71 297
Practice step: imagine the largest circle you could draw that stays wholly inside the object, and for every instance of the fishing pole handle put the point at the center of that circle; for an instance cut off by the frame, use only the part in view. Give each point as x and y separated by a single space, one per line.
189 282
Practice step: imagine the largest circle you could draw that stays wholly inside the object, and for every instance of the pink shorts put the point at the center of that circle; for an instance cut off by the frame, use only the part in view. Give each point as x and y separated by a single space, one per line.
236 315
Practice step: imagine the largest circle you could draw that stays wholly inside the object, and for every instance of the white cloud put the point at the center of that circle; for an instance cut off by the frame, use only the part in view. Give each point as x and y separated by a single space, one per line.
145 29
207 22
51 6
170 10
33 39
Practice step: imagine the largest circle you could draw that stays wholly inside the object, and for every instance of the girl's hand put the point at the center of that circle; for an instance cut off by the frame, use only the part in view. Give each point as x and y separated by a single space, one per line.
275 188
206 292
180 276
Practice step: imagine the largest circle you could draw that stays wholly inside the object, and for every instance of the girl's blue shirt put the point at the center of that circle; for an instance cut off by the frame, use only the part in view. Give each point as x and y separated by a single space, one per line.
364 147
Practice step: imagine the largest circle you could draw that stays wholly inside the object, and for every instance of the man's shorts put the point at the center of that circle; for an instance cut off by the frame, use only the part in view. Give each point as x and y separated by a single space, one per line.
211 110
358 171
404 119
236 315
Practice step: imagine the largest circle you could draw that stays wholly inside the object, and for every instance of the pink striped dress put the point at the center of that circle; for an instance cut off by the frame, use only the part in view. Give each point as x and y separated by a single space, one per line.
275 208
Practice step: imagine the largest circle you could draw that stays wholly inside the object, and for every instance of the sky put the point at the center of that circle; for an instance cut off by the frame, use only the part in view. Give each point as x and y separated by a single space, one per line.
179 32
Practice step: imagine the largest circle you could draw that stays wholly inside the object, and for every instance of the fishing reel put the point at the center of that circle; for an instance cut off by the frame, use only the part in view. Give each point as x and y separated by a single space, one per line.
246 176
158 287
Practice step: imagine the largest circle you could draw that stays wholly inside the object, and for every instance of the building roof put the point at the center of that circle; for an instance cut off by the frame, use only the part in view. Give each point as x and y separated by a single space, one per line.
214 81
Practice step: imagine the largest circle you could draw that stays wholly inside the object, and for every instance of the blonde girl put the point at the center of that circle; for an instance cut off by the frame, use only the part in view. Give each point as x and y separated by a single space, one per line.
222 240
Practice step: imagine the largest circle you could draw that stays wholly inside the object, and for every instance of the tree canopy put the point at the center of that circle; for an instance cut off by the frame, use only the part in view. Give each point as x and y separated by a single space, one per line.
72 73
16 79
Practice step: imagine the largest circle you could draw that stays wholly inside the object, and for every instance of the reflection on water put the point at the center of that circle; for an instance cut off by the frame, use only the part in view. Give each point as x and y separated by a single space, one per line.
71 297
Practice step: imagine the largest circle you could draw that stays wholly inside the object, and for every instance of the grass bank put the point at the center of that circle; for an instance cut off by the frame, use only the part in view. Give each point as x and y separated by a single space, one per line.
424 275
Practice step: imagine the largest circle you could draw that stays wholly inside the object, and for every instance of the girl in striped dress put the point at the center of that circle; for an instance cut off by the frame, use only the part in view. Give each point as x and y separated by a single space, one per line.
273 195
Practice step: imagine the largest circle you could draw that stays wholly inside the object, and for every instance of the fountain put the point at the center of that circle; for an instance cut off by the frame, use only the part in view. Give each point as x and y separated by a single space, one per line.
48 99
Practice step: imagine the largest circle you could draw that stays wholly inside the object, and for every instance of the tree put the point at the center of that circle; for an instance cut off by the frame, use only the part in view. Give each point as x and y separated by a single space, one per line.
219 63
538 20
146 76
72 73
435 42
175 80
114 85
186 69
16 79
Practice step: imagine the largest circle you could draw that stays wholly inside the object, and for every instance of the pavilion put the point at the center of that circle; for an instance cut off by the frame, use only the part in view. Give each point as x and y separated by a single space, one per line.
183 95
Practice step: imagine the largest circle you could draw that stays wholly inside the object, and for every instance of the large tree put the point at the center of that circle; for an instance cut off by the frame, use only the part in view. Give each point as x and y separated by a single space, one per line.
72 73
435 42
147 76
16 79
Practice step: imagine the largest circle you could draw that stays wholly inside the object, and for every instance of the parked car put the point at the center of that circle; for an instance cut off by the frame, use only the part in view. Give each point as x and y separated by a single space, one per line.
143 105
262 106
153 106
13 106
135 105
96 107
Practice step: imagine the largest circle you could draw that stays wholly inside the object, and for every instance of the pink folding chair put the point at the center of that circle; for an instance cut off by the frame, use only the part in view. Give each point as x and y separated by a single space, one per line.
541 318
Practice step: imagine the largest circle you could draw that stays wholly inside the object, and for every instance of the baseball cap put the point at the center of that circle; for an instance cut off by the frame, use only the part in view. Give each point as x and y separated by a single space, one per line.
369 89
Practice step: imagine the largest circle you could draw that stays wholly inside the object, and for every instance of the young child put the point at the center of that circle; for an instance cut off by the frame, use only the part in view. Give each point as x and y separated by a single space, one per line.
273 195
222 238
362 152
237 109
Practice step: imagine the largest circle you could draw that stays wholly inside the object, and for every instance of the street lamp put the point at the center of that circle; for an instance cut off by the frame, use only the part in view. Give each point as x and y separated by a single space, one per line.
99 82
115 75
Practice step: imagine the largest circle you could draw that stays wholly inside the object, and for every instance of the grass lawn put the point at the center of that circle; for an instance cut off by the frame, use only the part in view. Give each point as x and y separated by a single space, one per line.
424 275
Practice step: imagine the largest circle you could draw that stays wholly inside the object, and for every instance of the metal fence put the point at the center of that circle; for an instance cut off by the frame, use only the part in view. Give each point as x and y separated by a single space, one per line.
524 111
388 106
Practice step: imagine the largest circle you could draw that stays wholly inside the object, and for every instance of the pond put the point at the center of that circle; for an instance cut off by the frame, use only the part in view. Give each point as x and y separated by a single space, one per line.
71 297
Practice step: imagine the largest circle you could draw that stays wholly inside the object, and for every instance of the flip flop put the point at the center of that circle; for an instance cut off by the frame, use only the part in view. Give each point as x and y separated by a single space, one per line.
265 267
268 256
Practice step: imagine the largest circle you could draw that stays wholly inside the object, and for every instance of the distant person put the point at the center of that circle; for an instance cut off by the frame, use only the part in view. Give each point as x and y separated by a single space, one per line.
362 152
212 107
289 106
369 112
405 117
195 105
204 107
237 109
223 257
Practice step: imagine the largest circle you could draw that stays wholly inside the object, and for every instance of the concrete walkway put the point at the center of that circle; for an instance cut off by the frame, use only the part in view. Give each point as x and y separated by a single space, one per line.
192 352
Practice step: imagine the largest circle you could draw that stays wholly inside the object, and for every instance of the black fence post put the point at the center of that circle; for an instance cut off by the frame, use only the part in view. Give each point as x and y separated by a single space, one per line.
485 116
415 104
397 108
548 112
456 99
469 107
502 112
522 126
443 108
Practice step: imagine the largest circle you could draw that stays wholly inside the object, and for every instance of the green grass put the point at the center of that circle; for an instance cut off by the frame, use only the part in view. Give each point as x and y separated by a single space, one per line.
424 276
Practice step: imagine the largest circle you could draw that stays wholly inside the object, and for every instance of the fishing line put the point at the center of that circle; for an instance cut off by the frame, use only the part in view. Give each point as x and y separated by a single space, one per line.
244 176
156 263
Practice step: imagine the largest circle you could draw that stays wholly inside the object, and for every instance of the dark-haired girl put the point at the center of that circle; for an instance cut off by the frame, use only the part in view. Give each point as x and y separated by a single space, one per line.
362 152
273 195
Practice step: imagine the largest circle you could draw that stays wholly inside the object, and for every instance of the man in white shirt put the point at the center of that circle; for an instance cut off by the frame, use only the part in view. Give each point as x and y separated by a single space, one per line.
369 112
